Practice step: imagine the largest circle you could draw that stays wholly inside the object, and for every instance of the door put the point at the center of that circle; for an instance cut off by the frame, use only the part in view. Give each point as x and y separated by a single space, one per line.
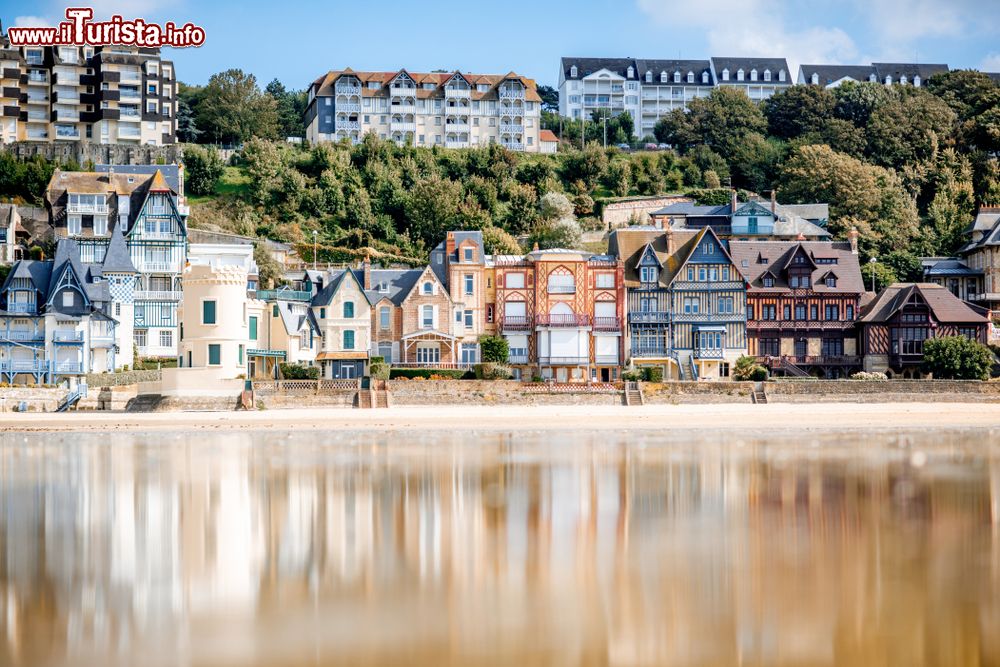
801 347
348 371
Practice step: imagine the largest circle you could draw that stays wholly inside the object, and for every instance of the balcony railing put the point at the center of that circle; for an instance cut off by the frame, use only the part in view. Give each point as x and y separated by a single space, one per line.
22 307
572 320
349 107
443 365
606 359
158 295
456 127
342 89
511 128
649 351
158 267
813 360
563 361
708 353
455 143
649 317
512 145
456 110
67 336
284 295
67 367
100 209
22 336
708 317
516 323
799 325
402 91
402 126
561 289
512 93
737 285
24 366
457 93
517 358
607 324
511 110
403 108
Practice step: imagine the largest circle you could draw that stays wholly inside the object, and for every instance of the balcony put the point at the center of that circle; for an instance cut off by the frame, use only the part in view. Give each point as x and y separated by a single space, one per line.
67 133
400 126
572 320
347 89
67 367
649 317
22 336
10 93
284 295
349 107
563 361
520 357
89 209
158 267
457 110
798 325
708 317
606 359
29 308
110 77
457 93
71 336
512 145
511 110
649 351
737 285
37 99
813 360
36 80
102 339
512 93
607 324
562 289
456 143
347 126
24 366
516 323
402 109
402 91
158 295
130 77
511 128
456 127
11 73
708 353
11 112
65 116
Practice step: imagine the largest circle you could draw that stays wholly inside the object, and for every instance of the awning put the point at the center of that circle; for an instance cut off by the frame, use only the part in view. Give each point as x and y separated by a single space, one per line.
709 328
335 356
280 354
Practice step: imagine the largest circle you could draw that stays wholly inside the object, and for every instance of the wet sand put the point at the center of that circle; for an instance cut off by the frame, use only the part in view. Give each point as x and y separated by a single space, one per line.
804 418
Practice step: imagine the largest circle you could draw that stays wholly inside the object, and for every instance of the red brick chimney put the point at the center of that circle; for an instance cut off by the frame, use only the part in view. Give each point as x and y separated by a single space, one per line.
366 268
733 209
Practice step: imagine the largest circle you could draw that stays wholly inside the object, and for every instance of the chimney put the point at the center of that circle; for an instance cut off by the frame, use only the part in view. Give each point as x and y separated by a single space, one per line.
774 203
668 235
733 209
366 268
852 236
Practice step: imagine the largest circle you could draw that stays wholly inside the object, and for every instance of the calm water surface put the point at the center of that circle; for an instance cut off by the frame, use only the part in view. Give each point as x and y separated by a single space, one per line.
499 549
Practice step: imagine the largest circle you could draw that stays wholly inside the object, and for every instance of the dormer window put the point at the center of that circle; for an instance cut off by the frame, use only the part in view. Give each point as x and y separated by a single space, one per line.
690 77
663 77
902 79
677 77
725 75
888 80
649 76
768 281
753 75
815 79
739 74
572 72
767 75
872 77
916 80
467 252
831 281
781 75
647 274
630 72
704 77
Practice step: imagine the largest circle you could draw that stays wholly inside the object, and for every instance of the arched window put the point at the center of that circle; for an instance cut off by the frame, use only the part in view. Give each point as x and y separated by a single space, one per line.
649 76
739 74
753 75
781 75
690 77
663 77
815 79
767 75
704 77
428 287
677 77
631 72
916 80
348 309
725 75
902 79
572 71
888 80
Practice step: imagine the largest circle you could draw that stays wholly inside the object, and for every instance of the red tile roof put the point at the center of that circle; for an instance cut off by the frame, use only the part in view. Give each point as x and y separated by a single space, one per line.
547 135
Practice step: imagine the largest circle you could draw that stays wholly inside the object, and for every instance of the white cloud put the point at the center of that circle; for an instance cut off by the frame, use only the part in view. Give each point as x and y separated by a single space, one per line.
33 22
895 21
991 63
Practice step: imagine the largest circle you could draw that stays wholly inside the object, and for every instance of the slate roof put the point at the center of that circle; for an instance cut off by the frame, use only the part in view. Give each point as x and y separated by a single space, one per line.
944 306
696 67
950 267
897 70
46 274
587 66
171 172
117 259
787 222
755 258
399 282
747 64
832 73
324 85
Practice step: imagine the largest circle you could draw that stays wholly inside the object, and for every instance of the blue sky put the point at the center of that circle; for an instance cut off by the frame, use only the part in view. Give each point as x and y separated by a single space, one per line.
296 41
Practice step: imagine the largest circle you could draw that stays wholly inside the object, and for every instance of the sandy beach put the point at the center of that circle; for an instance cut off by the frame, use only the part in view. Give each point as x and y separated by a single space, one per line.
805 418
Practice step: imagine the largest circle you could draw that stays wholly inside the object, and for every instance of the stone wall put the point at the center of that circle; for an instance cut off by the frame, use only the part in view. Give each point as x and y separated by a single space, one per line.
340 399
108 398
486 392
122 378
619 213
892 391
83 152
38 399
697 392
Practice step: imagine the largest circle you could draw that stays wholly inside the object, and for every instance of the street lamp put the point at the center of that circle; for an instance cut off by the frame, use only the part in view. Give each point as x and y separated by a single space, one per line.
605 131
315 235
872 263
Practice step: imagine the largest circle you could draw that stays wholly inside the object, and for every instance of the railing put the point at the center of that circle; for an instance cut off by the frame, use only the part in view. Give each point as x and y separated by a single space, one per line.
403 108
87 208
101 339
563 361
454 143
572 320
512 145
708 317
512 93
814 360
284 295
511 110
457 93
456 110
158 267
709 285
67 367
799 325
550 387
517 358
649 351
22 307
346 125
303 387
157 295
349 106
402 126
456 127
67 336
341 89
443 365
606 359
561 289
402 91
649 317
127 93
607 324
24 366
708 353
516 323
22 336
511 128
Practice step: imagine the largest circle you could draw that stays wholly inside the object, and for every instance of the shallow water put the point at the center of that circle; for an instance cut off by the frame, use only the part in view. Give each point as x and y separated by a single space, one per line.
499 549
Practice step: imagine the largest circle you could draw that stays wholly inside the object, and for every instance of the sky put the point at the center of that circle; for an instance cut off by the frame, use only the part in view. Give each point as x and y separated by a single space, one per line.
298 41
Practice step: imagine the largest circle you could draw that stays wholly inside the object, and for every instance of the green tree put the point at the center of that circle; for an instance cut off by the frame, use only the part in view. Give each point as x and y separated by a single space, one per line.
878 275
268 269
234 109
587 165
798 110
495 349
432 208
957 358
288 108
550 98
187 128
203 167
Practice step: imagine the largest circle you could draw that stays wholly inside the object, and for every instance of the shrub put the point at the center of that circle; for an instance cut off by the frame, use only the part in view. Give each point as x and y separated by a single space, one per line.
759 374
299 372
957 358
495 349
652 374
745 368
379 370
426 374
203 168
632 375
493 371
870 377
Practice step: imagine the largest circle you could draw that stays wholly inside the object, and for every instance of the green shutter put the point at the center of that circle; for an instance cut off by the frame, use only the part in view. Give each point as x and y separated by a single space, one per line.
214 354
240 356
348 340
274 310
208 312
253 327
322 313
348 309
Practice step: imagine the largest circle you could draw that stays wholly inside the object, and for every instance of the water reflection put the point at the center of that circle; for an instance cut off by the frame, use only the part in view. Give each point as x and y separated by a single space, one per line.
324 548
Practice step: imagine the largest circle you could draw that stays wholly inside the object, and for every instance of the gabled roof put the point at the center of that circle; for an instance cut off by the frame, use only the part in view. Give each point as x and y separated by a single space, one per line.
798 249
696 67
332 286
117 258
897 70
169 172
587 66
547 136
324 86
754 259
421 273
950 267
945 307
398 283
828 74
67 259
747 64
675 264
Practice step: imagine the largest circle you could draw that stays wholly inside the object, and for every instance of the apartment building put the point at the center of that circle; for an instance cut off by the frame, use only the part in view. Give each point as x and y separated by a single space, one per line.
831 76
104 94
448 109
89 207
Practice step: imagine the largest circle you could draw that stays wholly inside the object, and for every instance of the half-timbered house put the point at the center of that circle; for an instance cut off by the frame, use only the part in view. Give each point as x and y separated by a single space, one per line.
803 299
895 325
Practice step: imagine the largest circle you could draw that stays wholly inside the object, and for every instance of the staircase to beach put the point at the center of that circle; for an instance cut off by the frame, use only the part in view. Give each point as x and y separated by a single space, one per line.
758 396
633 394
792 369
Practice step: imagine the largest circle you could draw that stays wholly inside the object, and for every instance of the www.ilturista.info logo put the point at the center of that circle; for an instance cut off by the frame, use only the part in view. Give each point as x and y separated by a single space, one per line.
79 30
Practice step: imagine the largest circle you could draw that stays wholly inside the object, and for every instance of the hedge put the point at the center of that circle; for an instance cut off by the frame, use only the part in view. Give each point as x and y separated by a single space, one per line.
427 373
